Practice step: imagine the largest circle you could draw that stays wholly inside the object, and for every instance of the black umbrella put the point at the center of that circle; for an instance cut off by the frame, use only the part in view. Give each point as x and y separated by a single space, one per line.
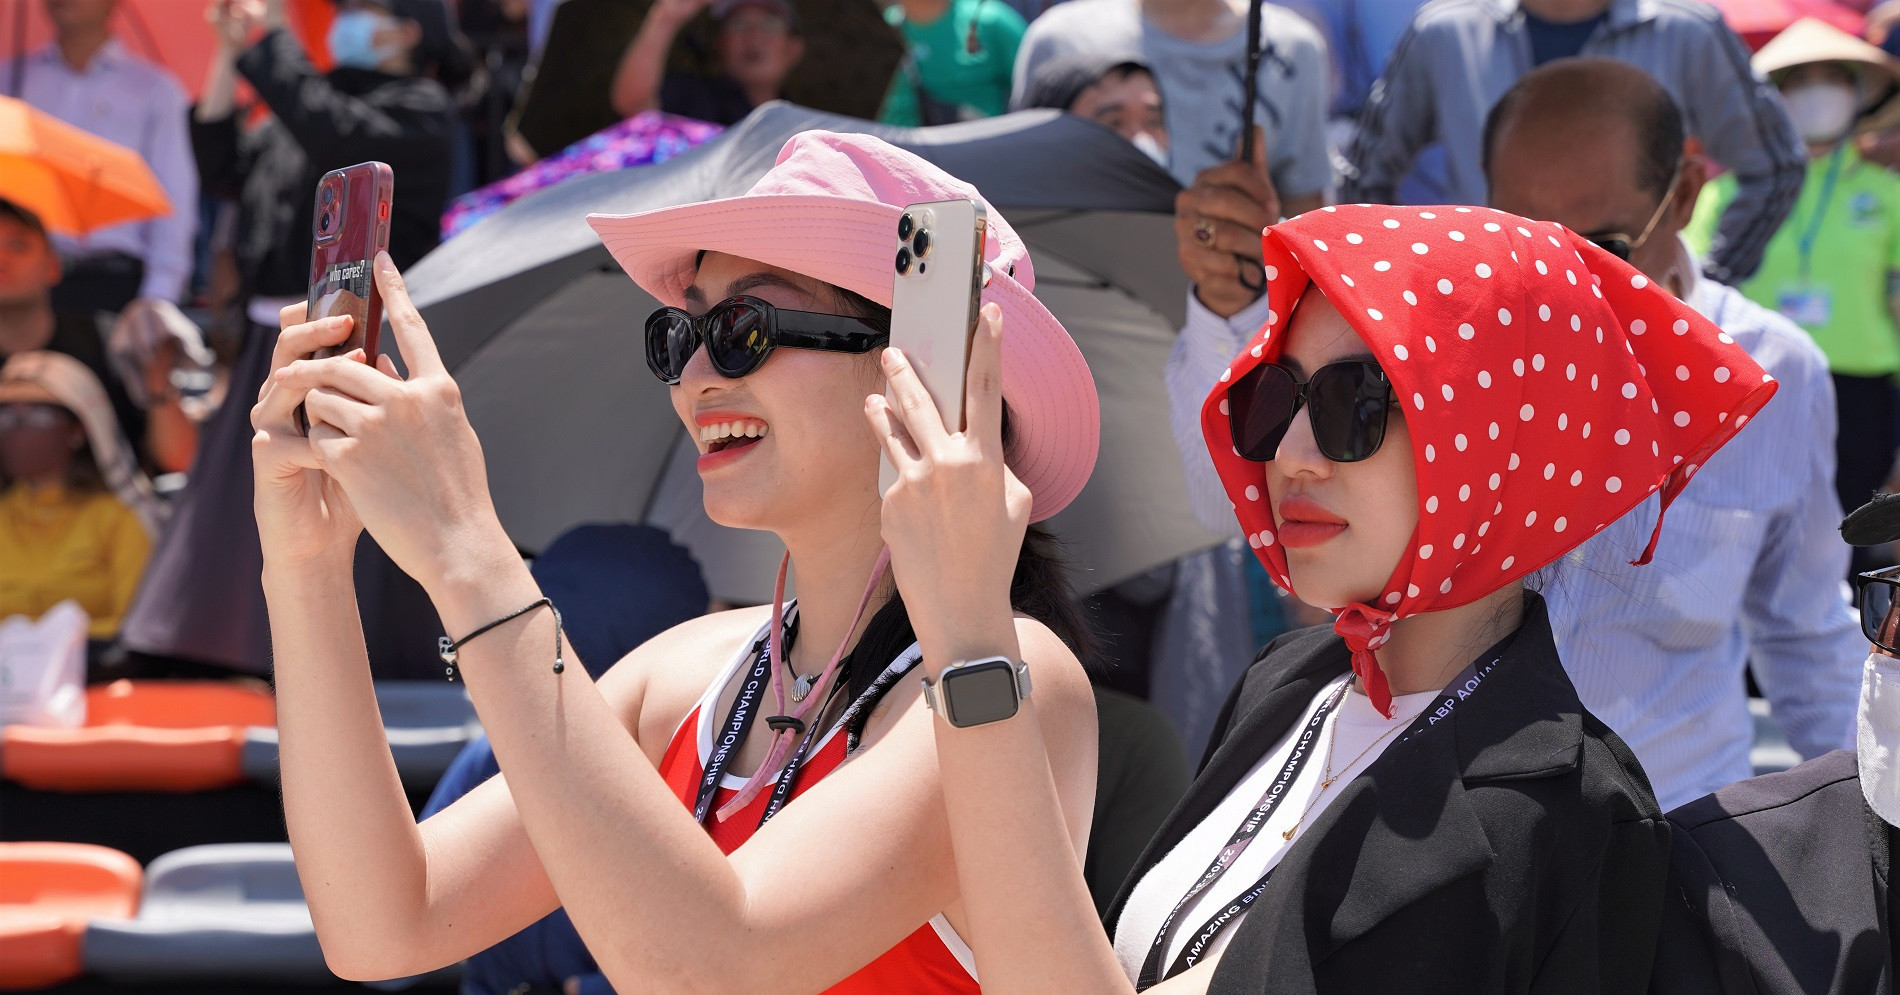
540 327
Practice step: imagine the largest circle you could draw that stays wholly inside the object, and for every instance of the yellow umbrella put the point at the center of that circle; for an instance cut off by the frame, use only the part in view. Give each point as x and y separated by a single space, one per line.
74 180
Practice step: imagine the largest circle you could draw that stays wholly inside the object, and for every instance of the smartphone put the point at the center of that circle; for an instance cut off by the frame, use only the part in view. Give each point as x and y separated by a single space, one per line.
935 295
349 226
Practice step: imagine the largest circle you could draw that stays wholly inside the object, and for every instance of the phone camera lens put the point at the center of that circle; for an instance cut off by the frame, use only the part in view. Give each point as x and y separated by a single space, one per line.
329 196
324 223
922 242
905 225
903 261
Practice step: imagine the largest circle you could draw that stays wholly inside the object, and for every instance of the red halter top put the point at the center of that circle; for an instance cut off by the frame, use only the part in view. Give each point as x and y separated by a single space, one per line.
934 959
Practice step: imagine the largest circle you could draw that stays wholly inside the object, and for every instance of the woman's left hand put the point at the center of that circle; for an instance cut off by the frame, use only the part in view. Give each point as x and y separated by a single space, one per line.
403 450
955 518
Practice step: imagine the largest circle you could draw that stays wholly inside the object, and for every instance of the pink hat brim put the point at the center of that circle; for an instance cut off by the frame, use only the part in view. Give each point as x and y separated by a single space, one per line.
1055 415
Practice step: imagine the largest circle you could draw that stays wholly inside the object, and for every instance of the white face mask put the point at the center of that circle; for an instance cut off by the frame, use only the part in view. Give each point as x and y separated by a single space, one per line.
1879 737
1151 148
1822 112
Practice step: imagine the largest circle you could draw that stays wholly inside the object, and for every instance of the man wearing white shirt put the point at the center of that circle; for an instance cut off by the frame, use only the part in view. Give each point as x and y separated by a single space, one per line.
1747 572
87 79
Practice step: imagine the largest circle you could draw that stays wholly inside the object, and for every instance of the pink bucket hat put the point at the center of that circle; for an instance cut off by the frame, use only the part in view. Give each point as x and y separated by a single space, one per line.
828 210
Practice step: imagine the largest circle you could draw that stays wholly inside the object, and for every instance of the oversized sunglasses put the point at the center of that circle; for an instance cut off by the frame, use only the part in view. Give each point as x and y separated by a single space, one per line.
740 333
1879 619
1347 404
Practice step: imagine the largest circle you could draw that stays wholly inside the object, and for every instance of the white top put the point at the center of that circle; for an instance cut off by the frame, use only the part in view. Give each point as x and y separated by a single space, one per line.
125 99
1354 726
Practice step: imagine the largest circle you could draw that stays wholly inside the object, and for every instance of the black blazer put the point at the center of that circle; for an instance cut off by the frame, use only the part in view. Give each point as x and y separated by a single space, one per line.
1515 847
1780 884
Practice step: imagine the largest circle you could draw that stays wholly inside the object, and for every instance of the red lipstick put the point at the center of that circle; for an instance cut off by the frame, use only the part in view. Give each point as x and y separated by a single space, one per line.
1305 523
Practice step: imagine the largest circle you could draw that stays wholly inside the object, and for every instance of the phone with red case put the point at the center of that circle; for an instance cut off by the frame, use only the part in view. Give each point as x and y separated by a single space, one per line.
350 225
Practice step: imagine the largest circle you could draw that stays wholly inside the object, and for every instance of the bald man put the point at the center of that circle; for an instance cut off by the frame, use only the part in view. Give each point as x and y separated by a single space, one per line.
1748 571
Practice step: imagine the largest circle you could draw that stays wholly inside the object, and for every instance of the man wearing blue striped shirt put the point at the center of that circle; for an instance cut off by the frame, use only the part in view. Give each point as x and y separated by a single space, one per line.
1749 569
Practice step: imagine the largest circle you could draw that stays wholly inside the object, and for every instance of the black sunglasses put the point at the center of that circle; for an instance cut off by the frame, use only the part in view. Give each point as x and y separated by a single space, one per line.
1879 620
1349 403
740 332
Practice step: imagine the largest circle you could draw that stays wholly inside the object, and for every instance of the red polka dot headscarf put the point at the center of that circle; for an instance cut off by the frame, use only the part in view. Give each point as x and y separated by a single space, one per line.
1548 387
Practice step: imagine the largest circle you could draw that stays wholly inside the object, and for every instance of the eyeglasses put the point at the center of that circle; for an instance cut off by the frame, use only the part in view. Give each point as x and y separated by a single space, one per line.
740 332
1349 402
1879 617
41 416
1619 244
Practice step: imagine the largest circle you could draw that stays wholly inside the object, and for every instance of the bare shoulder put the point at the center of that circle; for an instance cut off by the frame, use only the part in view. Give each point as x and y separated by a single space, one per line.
655 686
1064 698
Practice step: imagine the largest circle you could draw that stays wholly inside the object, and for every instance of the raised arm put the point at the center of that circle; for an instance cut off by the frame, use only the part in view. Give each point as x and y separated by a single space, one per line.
642 67
862 860
957 515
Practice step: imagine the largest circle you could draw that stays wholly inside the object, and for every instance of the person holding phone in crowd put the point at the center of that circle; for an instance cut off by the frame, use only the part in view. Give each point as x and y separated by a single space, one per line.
775 764
1440 402
202 601
759 46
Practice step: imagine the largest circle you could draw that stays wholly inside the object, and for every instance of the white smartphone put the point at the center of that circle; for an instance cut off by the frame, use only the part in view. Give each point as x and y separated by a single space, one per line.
935 296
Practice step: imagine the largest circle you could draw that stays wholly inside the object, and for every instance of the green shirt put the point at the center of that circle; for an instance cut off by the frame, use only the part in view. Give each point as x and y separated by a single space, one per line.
1838 293
976 83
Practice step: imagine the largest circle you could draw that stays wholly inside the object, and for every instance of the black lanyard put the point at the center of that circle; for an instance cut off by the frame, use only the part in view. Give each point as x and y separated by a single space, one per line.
1460 688
745 709
1237 844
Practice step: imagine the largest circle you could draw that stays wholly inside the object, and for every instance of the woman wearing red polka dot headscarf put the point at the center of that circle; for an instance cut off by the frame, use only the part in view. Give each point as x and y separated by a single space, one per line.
1441 401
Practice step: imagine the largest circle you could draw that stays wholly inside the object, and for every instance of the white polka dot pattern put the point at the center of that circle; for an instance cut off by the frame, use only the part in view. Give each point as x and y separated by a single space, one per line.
1597 433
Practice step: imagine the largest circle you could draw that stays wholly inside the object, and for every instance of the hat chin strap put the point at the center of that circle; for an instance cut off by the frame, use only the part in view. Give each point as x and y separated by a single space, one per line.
1365 629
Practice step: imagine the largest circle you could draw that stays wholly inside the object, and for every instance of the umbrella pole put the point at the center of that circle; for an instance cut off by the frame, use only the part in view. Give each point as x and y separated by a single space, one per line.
1250 81
19 48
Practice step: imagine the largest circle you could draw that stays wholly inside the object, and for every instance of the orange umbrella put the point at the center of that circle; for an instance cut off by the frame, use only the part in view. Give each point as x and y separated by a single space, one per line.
74 180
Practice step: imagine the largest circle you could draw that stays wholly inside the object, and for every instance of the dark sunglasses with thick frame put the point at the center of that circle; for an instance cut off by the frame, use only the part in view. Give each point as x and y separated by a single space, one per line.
1878 593
1348 403
740 333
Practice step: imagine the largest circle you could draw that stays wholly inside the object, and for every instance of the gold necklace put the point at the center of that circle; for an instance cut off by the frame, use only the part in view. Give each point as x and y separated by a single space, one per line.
1328 777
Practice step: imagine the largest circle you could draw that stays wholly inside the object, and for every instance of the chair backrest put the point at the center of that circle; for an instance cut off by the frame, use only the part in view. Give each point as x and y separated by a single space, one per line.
69 879
222 875
424 705
179 704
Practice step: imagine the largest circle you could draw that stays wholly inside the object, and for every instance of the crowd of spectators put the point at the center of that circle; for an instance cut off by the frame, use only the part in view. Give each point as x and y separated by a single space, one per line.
125 486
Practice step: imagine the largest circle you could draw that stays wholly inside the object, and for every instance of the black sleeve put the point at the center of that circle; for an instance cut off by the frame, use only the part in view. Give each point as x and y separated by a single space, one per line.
215 145
332 126
1608 941
1695 912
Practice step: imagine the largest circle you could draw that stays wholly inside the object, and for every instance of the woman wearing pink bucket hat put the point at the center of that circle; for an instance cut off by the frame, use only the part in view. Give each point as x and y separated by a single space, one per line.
664 807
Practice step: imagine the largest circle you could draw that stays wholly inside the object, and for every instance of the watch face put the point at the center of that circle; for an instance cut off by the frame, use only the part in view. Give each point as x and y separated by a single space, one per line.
982 693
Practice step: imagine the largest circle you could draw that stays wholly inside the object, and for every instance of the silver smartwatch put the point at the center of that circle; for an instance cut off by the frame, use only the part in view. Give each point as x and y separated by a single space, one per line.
975 692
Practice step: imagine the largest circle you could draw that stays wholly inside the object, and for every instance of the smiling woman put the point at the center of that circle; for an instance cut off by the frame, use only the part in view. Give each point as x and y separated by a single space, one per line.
1440 401
776 766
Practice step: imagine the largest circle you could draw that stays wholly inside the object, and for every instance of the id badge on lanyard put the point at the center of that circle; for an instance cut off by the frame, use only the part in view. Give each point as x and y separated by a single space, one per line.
1809 306
1805 304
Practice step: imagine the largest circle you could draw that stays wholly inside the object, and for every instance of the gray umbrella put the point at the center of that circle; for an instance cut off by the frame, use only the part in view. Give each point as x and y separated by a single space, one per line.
541 329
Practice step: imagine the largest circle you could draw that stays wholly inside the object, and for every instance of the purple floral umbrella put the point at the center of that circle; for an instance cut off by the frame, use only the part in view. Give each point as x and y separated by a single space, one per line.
641 140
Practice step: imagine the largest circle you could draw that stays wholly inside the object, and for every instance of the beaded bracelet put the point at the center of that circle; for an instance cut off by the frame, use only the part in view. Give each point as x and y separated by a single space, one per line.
448 648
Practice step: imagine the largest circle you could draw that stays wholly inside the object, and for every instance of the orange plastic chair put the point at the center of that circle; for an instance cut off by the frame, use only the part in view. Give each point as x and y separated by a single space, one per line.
142 736
48 892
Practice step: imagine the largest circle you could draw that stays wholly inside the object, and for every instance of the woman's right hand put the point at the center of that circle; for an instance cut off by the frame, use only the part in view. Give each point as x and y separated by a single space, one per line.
303 516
